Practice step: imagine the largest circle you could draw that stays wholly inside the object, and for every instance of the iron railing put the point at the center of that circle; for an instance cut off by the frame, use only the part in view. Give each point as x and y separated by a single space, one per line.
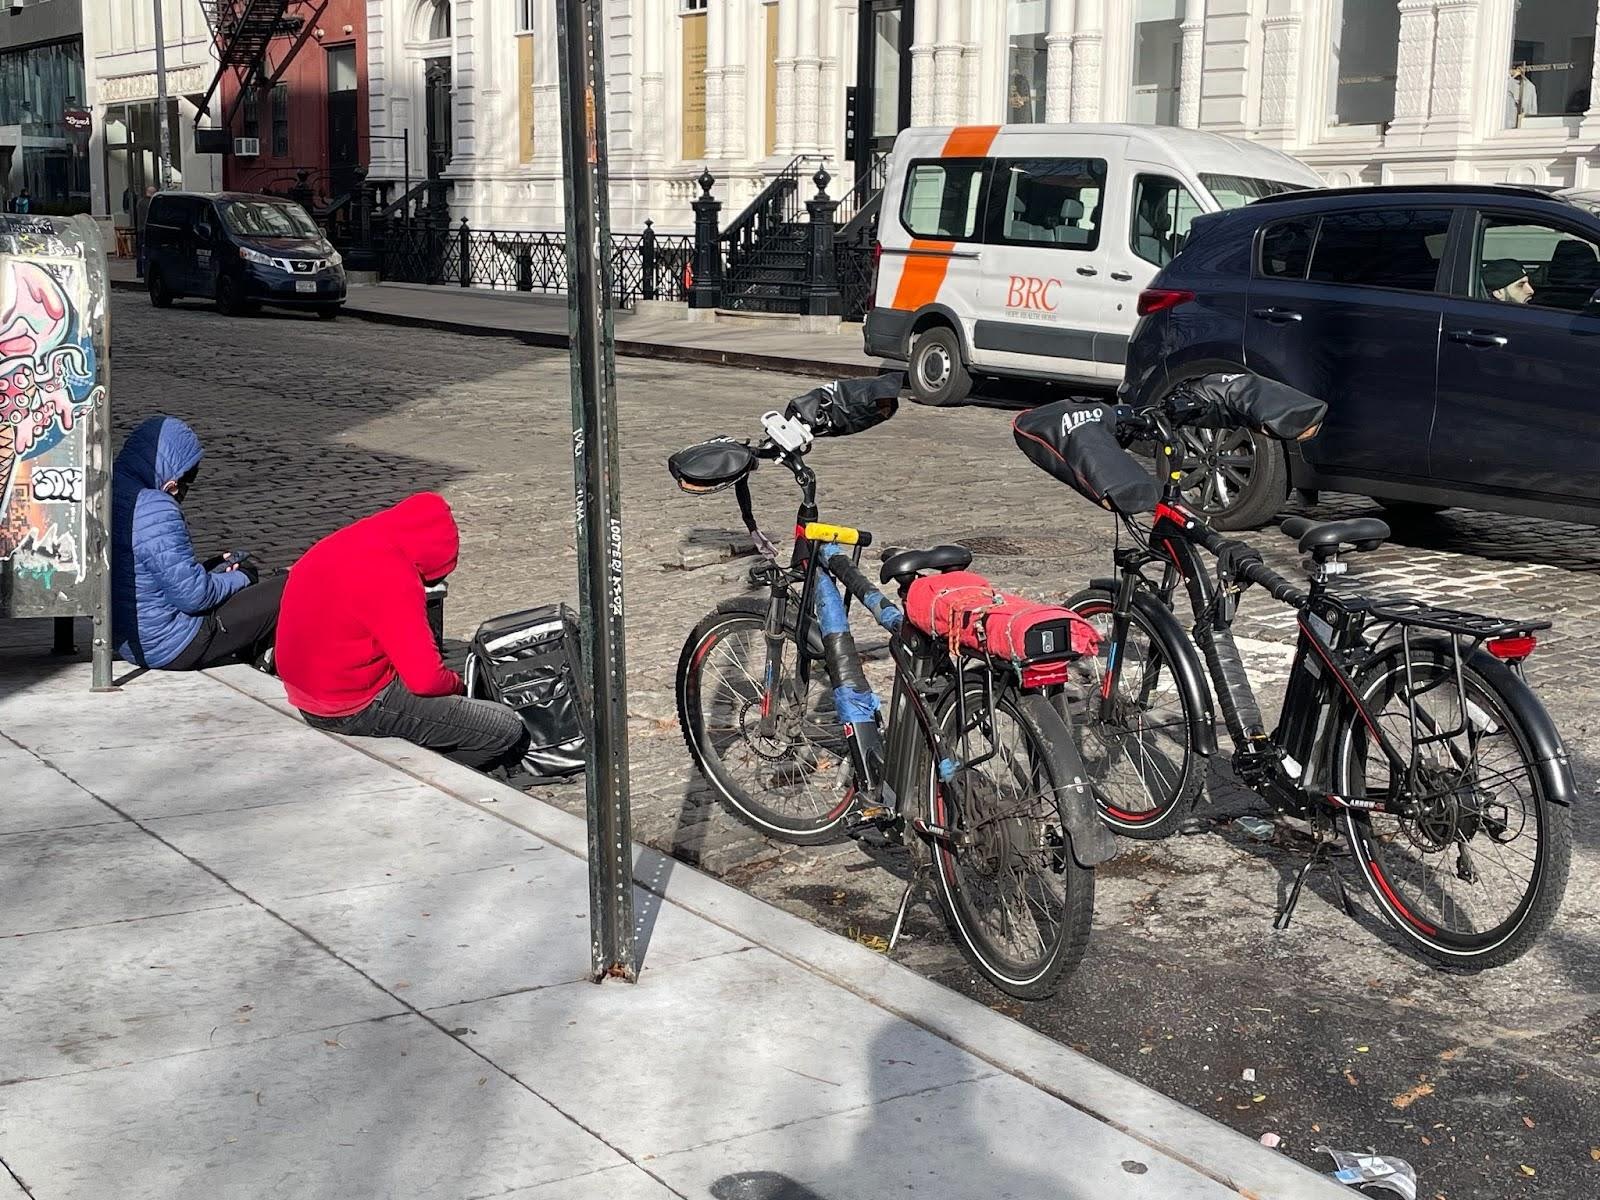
867 192
644 266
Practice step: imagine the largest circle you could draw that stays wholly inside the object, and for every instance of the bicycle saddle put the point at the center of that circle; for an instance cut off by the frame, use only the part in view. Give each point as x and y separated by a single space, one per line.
1323 539
903 565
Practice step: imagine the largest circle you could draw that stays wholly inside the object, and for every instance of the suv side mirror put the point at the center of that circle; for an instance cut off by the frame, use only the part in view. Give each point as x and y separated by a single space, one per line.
1592 308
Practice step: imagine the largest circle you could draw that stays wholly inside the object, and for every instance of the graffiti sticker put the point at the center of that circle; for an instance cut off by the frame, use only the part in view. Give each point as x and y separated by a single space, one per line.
47 388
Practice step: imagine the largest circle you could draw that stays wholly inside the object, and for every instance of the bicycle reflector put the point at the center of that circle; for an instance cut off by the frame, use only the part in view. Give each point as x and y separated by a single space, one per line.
1512 649
1154 300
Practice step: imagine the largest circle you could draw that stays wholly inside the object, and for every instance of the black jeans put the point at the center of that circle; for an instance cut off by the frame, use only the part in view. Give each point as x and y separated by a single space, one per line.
237 630
480 734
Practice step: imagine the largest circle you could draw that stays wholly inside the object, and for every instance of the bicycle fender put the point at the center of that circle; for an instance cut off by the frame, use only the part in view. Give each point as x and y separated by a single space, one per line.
1091 839
1185 663
750 604
1549 751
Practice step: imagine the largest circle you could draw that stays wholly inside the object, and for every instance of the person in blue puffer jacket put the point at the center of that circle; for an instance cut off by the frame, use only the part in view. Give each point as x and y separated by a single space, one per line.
168 610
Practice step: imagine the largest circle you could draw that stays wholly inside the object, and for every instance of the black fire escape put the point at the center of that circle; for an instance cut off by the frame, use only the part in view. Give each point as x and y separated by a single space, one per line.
243 31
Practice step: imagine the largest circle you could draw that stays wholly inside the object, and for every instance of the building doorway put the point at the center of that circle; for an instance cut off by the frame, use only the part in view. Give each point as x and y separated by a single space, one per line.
441 138
883 77
344 143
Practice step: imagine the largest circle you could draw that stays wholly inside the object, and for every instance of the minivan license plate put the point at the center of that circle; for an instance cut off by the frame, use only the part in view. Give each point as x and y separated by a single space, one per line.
305 285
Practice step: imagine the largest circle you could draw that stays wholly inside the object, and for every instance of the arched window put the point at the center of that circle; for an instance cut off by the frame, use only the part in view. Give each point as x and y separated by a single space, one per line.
439 21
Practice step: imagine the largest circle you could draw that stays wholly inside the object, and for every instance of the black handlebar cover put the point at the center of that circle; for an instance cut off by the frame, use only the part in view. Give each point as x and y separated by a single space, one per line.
1264 405
848 406
1077 443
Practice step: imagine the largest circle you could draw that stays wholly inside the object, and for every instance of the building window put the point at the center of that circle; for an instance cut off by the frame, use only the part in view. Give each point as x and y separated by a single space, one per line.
341 68
1157 62
250 110
525 11
1163 210
1366 50
1052 201
439 21
1026 62
1552 59
689 6
280 121
941 198
1382 247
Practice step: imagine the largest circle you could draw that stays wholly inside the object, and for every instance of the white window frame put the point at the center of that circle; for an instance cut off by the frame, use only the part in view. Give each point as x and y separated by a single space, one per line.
526 15
691 6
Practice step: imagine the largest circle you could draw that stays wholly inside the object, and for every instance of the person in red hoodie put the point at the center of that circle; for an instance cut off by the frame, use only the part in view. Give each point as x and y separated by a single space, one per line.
355 651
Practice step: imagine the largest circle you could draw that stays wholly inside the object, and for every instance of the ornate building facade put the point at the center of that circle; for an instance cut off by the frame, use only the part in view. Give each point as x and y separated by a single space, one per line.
1363 90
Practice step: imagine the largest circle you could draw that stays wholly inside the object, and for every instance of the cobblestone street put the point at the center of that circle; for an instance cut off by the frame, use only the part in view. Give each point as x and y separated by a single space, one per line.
1327 1033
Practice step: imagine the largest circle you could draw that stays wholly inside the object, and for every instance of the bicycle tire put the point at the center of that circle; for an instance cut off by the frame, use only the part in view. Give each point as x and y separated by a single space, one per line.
1153 807
1490 687
1051 756
826 819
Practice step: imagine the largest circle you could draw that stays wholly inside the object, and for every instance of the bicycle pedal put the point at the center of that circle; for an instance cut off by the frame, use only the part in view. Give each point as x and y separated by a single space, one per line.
875 823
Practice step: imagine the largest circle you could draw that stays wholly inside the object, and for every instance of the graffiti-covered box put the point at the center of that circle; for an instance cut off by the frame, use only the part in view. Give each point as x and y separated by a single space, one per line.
54 456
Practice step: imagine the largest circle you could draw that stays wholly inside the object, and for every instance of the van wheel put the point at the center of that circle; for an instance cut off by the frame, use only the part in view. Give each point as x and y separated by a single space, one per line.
230 301
938 376
160 293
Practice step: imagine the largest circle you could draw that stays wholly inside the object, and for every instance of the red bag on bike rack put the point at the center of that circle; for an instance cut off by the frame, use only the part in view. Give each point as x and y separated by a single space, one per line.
967 611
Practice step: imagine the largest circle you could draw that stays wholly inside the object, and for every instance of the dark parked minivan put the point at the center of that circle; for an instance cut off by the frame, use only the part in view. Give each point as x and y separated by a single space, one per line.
241 251
1408 311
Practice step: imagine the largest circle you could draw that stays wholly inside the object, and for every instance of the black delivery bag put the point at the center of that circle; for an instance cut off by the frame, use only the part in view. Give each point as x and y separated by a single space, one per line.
529 660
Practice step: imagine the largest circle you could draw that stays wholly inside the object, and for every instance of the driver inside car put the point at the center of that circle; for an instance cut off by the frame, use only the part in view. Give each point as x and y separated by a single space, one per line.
1506 280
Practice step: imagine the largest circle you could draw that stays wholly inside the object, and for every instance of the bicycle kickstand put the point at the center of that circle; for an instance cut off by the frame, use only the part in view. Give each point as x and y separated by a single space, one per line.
917 882
1318 856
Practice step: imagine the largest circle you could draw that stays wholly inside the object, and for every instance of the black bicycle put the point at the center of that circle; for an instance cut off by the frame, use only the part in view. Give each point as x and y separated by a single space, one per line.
971 755
1407 726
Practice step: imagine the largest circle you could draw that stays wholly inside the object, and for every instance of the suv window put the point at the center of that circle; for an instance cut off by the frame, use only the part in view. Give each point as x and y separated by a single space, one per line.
941 198
166 210
1286 248
1561 268
1381 247
1163 210
1051 201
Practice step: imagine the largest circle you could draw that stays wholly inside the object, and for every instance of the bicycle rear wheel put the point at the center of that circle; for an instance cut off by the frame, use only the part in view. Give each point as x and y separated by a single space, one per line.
1476 869
1017 903
1140 760
794 785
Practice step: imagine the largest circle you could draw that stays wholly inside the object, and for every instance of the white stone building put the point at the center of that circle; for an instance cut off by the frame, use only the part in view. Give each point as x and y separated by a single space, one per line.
1363 90
120 75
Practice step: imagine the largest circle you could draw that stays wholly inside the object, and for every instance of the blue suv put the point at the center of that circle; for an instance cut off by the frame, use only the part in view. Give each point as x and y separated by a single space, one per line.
1453 331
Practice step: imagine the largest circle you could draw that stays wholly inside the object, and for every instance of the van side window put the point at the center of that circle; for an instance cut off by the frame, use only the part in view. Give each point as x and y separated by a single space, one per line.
1162 211
1382 247
1051 201
1286 248
941 198
163 210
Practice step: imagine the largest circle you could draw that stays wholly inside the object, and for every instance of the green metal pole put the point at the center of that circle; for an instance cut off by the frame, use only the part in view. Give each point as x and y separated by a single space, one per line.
599 505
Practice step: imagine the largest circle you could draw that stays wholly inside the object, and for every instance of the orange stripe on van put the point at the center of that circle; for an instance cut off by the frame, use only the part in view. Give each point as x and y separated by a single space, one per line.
924 269
969 141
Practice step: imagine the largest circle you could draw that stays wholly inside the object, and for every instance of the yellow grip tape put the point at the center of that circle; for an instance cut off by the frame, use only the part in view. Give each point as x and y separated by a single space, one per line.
816 531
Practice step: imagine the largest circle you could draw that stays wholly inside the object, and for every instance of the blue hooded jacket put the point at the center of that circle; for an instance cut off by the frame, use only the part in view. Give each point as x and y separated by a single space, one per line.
159 592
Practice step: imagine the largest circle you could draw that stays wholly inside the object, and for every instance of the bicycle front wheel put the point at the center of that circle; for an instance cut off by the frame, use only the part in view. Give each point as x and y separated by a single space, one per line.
1016 902
1139 756
793 782
1471 862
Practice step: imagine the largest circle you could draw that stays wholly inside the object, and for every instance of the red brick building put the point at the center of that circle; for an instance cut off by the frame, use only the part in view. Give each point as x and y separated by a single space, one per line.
314 119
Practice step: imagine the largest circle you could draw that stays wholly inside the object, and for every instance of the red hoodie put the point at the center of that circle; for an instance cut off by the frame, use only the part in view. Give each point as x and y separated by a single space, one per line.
354 615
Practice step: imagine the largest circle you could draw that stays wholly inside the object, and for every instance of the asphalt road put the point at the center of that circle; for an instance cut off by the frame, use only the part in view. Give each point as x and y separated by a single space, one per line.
1480 1081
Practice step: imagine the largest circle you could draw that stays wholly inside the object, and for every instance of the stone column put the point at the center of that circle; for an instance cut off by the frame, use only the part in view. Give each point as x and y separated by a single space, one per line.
1058 62
652 80
1280 76
1590 129
716 25
788 39
1086 51
546 92
923 36
1454 42
1193 27
807 78
735 114
949 87
1414 70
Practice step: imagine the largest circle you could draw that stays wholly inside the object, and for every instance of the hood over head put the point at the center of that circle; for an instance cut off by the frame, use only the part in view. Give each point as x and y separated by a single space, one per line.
423 528
158 452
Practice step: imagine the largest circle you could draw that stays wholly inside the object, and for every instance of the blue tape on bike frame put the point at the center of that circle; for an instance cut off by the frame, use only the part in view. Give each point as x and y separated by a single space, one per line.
947 769
853 707
830 607
883 610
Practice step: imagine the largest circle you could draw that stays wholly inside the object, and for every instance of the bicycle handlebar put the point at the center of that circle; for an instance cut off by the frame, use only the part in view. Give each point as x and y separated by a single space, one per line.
1243 561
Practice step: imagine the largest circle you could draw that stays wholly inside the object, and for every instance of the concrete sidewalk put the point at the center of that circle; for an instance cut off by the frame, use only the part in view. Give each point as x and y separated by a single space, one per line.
655 331
241 958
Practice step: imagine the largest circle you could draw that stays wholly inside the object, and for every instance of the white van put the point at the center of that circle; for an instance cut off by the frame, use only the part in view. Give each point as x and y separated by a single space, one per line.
1022 249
